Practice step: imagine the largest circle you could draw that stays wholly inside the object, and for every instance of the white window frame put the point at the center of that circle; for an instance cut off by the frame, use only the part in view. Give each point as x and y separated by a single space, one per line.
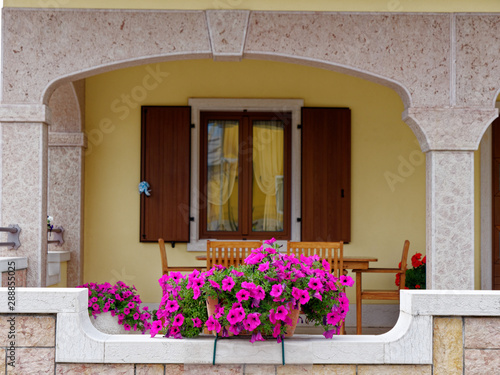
251 105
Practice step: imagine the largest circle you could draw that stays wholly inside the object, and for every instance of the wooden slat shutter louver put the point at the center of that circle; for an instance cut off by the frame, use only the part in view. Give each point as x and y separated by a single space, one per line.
326 174
165 165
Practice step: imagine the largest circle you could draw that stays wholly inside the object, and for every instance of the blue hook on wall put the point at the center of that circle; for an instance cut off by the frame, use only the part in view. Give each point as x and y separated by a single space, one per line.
144 188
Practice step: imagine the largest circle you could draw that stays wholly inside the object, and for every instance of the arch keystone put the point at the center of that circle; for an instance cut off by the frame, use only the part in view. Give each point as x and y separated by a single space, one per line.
227 30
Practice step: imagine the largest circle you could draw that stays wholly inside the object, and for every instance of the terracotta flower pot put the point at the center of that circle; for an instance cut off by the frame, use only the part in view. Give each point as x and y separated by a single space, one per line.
290 329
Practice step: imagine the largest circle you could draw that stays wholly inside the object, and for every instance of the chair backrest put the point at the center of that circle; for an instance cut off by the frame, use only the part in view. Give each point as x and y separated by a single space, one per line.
229 253
404 260
333 252
163 254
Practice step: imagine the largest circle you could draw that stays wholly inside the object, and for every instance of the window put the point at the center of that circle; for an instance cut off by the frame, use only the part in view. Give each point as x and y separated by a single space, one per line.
212 178
245 175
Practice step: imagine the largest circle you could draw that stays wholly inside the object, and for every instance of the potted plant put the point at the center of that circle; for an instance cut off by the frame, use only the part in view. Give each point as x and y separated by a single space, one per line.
121 302
415 277
255 298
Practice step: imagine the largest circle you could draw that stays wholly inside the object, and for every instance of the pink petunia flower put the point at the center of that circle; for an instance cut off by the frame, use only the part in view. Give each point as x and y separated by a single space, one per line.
171 306
176 276
315 284
252 321
326 264
227 284
235 315
277 330
346 280
178 320
263 267
243 295
196 293
329 334
155 328
276 290
259 293
213 324
333 318
196 322
257 336
281 312
214 284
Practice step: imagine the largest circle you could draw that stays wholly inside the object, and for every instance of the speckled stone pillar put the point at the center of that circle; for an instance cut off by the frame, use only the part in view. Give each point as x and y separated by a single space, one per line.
24 134
449 137
450 220
66 160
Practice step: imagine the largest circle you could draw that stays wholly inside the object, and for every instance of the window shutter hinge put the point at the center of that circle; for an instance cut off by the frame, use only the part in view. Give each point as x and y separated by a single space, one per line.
192 126
299 126
191 218
341 193
173 244
299 219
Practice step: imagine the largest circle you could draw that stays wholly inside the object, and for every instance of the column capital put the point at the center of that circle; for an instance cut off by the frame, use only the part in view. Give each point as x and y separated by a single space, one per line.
25 113
449 129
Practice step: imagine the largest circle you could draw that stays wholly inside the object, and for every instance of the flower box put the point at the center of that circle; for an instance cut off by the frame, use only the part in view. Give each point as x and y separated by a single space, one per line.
255 298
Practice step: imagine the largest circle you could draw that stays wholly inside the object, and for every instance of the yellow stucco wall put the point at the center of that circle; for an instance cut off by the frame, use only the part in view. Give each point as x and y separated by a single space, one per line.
388 169
293 5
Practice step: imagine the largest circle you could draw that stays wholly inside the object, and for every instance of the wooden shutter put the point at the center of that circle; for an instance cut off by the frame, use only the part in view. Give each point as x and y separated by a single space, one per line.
165 165
326 174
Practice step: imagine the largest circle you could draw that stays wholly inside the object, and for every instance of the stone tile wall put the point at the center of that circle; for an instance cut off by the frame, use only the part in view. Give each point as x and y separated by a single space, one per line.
20 278
469 345
482 345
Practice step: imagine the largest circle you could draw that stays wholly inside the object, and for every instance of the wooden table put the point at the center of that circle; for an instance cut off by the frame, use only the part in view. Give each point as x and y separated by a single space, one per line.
357 262
350 263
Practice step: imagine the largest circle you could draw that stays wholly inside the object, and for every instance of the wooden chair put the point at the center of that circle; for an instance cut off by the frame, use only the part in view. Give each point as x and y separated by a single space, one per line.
229 253
333 252
379 294
164 263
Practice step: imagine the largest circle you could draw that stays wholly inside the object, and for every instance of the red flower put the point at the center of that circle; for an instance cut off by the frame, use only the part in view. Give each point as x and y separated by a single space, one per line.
424 261
417 286
415 260
398 279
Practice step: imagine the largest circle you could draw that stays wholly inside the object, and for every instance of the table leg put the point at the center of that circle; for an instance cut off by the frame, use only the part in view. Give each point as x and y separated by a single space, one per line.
358 303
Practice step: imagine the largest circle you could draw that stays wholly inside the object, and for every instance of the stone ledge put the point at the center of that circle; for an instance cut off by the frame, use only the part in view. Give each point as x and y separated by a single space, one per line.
451 302
409 342
21 263
25 113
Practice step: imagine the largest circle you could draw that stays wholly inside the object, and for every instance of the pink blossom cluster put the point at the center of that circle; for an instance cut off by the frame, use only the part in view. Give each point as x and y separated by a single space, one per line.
121 301
254 298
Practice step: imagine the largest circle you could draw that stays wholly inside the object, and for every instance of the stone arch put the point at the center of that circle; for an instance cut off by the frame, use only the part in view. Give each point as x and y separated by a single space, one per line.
374 46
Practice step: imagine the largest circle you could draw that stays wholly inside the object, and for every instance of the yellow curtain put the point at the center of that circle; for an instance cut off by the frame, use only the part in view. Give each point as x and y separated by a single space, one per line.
222 173
268 148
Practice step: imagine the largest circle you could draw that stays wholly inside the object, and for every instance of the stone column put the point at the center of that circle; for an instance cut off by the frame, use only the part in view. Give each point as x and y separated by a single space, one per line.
449 137
24 133
66 165
450 219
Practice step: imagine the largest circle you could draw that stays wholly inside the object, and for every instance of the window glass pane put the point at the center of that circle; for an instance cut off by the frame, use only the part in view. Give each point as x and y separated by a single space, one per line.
268 179
222 176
